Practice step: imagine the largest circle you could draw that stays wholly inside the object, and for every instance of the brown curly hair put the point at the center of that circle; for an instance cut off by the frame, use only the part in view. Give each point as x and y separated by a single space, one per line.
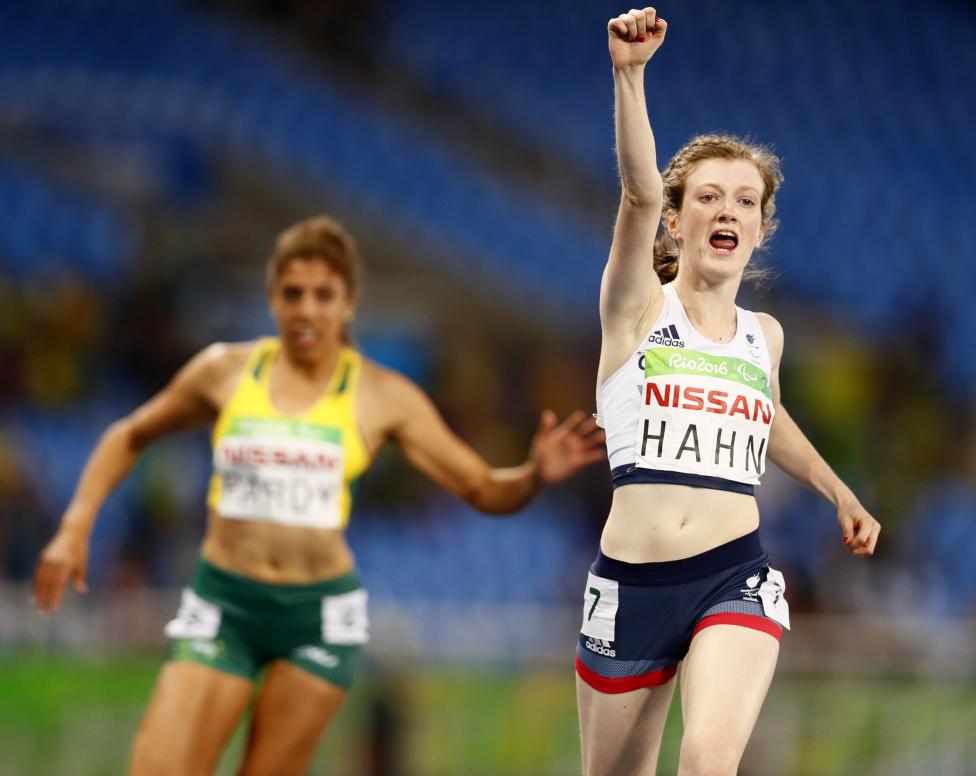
696 150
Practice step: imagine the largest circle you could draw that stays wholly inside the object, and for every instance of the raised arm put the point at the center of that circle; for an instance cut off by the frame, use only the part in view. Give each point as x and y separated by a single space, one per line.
792 452
185 403
415 425
630 284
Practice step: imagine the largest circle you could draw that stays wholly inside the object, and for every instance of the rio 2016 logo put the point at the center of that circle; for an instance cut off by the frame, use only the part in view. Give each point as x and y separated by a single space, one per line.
700 364
703 365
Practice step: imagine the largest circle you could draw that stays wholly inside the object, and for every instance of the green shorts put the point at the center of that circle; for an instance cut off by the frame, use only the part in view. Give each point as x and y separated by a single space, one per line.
237 624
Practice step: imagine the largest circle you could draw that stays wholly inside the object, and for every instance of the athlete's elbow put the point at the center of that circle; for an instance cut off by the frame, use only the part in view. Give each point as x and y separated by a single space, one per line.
125 432
484 501
642 197
495 491
644 189
489 501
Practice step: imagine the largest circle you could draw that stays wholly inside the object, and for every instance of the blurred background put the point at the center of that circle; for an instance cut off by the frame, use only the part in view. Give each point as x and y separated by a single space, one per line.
151 151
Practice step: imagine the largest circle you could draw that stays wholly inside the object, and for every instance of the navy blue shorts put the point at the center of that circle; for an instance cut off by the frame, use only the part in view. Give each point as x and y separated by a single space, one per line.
639 618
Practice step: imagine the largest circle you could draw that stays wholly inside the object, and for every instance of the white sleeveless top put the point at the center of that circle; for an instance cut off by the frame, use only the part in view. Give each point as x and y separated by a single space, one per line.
688 411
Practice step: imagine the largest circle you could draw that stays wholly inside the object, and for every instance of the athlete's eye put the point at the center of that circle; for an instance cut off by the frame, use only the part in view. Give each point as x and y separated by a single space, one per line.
325 294
291 294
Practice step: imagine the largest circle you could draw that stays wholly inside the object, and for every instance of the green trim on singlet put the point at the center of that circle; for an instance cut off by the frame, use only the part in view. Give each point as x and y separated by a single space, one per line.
259 366
283 427
343 381
681 361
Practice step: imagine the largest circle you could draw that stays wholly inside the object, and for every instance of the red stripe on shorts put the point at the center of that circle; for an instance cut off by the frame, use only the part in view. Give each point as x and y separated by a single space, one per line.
624 683
753 621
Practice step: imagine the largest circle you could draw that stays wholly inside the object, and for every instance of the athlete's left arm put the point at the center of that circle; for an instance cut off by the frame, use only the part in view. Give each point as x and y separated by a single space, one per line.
558 450
792 452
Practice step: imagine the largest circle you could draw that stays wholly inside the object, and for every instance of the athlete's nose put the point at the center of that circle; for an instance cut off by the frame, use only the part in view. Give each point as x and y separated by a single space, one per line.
306 306
727 213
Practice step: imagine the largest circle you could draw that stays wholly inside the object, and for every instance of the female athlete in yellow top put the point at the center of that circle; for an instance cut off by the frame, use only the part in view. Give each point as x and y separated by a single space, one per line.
681 579
296 419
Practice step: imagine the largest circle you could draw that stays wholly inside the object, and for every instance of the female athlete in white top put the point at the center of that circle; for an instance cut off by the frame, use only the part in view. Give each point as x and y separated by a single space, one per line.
687 448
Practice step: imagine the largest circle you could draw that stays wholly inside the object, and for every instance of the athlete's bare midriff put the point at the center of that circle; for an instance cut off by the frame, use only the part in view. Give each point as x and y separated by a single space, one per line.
656 522
273 553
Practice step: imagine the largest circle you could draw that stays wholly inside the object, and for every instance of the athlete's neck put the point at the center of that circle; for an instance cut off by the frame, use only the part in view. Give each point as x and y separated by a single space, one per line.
313 368
710 307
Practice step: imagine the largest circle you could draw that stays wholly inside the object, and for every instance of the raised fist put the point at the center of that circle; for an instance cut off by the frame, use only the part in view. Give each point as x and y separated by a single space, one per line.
635 36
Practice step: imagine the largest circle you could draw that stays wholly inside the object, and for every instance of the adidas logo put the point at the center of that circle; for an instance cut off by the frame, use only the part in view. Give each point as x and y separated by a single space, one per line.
601 647
208 649
668 336
318 655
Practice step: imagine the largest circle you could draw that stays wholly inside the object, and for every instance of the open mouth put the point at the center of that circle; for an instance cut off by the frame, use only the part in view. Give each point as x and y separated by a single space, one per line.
303 337
724 241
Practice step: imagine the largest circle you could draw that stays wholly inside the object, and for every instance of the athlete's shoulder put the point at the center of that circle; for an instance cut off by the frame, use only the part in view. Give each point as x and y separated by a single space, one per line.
385 380
215 367
769 324
402 397
773 332
221 356
389 400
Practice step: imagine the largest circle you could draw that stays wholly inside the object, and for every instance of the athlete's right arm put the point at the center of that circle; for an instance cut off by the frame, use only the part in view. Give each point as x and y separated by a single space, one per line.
186 402
630 284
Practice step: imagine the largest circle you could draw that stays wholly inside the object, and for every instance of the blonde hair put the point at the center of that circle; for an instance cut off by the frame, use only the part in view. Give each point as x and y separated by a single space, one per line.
696 150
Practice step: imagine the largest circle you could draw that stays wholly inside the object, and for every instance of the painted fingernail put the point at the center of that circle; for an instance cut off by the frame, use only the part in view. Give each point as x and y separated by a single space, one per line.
641 38
847 539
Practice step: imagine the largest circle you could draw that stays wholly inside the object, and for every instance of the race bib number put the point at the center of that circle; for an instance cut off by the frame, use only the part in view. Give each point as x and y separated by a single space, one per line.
772 593
195 619
345 619
295 478
600 603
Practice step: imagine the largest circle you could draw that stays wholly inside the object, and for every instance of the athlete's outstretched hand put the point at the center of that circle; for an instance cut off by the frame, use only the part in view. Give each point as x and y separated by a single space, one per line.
635 36
65 558
560 451
860 529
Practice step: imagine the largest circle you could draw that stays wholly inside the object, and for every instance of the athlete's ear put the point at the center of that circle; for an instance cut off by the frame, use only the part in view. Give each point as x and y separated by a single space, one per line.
671 223
762 235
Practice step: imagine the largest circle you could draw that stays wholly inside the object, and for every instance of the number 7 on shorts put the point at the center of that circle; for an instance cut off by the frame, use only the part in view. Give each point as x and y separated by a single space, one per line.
596 599
600 614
